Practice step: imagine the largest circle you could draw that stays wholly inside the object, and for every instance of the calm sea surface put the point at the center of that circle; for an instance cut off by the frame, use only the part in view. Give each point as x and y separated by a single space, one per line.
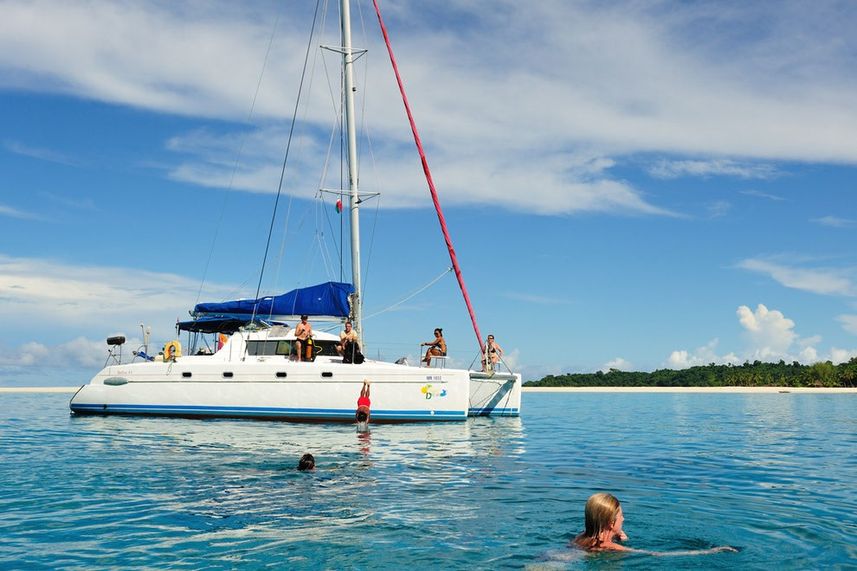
774 474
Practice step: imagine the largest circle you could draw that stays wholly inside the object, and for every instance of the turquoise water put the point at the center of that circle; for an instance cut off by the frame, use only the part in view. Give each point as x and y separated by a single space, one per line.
773 474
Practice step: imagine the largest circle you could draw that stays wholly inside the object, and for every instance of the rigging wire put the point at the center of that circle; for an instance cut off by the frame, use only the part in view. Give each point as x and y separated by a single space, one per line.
286 158
238 157
303 121
411 296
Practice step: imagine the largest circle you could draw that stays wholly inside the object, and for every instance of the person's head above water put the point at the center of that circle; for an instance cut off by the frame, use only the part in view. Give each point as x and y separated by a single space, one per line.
307 462
362 416
603 520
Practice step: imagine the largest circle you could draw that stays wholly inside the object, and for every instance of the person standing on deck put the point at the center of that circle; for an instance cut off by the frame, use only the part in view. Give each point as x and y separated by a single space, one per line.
303 332
436 348
491 353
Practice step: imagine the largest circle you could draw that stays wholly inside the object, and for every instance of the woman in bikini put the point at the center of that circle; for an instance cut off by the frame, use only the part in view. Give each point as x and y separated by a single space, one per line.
436 348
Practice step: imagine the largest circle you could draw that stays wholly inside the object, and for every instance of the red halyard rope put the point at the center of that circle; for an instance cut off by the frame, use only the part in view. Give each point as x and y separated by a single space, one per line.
429 180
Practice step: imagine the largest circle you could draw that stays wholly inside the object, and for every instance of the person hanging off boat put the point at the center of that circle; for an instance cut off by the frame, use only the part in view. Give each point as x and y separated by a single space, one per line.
491 354
603 519
303 339
363 404
349 346
436 348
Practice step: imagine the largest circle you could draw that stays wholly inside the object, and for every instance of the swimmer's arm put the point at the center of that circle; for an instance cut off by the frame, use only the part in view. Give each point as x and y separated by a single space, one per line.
721 549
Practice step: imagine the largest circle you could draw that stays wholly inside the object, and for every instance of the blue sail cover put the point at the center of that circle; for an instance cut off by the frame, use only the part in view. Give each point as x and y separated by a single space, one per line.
329 299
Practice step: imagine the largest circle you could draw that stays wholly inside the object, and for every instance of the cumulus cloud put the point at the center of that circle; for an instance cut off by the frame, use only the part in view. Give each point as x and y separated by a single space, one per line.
816 280
771 333
683 359
618 363
770 336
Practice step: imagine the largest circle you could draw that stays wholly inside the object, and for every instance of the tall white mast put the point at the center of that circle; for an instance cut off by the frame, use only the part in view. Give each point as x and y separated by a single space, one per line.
351 137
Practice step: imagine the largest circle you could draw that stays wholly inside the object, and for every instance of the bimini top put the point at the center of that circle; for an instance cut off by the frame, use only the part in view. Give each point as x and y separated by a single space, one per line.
328 299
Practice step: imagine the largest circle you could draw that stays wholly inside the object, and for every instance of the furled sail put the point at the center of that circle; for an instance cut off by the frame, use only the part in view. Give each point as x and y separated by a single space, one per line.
327 299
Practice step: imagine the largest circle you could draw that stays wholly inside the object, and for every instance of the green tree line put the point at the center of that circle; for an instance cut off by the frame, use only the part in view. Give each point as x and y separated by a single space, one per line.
755 374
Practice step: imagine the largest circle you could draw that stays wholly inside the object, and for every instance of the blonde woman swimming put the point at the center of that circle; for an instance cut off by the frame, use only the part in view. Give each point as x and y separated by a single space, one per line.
603 519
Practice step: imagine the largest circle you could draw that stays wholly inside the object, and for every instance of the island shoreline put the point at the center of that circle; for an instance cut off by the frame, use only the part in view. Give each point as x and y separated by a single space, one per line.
746 390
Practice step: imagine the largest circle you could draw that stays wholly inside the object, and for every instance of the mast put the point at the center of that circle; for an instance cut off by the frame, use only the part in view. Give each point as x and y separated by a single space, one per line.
351 138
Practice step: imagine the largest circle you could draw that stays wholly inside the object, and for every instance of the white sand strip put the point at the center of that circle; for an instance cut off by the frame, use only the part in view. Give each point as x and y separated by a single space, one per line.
38 389
755 390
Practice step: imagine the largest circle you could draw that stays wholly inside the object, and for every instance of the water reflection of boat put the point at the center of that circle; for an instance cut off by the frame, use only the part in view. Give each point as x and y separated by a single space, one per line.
254 373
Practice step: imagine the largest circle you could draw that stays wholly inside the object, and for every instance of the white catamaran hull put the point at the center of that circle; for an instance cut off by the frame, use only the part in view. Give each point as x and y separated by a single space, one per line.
279 389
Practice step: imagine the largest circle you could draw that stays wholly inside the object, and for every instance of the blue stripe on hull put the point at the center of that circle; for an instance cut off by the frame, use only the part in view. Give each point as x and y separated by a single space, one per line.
262 412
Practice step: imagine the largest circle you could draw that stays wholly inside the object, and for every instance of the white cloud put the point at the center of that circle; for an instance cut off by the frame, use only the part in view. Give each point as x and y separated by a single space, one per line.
841 355
771 336
718 208
771 333
15 213
683 359
38 153
84 296
80 352
834 221
815 280
509 119
849 322
760 194
618 363
707 168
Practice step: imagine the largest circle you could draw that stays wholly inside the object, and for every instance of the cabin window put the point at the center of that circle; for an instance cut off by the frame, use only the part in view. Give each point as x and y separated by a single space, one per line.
327 374
281 374
269 348
227 375
186 375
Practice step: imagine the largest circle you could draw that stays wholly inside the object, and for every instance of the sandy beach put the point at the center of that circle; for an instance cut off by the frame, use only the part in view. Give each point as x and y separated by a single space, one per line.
755 390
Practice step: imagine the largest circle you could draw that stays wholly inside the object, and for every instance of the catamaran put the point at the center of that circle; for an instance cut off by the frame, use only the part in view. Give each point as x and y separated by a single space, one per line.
252 372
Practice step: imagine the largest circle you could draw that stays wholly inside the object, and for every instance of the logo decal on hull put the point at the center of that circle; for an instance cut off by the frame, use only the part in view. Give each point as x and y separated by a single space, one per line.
431 391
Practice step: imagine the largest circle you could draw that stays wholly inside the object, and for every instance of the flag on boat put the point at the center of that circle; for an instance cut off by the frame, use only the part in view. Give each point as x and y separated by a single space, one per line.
339 205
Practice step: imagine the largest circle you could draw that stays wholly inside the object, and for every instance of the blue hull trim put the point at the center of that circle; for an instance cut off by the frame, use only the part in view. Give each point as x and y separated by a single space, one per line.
263 412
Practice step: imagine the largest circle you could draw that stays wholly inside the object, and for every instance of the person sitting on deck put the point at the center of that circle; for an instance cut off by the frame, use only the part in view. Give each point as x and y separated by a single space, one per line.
363 404
436 348
491 354
348 346
303 333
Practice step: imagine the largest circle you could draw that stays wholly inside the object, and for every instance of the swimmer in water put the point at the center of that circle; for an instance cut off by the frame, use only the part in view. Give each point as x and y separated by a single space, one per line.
603 519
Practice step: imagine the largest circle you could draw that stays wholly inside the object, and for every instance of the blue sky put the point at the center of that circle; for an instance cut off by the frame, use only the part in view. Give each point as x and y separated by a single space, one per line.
630 185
